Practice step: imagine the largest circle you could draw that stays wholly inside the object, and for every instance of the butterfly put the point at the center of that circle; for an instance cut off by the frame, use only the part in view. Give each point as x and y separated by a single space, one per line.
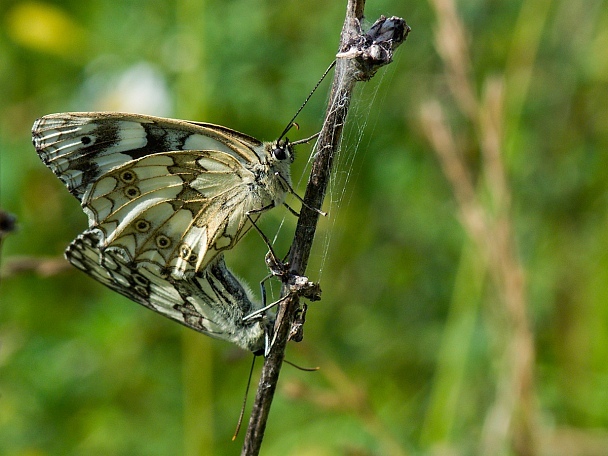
164 198
168 193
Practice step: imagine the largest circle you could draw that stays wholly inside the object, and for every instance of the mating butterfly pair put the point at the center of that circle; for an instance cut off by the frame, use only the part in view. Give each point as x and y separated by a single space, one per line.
164 199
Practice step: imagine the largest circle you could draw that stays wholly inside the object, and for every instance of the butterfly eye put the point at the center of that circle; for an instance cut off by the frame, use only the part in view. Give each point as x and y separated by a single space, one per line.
280 153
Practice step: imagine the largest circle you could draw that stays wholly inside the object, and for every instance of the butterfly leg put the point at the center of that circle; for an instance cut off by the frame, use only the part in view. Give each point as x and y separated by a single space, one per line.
261 311
277 269
298 285
263 288
264 238
290 189
292 210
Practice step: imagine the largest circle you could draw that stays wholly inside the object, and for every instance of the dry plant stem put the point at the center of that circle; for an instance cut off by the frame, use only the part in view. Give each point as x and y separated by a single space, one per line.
45 267
512 415
511 419
358 61
315 191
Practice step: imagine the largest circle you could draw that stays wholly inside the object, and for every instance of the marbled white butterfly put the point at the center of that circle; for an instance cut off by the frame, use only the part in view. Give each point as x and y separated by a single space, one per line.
164 198
168 193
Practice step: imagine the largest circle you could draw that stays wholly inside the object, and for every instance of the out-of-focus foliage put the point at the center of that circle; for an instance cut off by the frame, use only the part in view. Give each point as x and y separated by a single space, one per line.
406 332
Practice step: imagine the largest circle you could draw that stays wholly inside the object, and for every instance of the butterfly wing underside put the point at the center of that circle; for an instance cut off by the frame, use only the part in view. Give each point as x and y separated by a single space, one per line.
164 192
212 302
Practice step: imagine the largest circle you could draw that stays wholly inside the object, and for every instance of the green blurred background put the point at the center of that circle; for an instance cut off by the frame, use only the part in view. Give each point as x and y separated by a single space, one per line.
461 313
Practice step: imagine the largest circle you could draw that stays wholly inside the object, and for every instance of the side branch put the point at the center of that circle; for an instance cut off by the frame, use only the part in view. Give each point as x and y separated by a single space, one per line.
360 56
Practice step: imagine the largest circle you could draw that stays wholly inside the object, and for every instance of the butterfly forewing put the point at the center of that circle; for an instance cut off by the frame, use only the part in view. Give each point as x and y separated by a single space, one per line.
80 147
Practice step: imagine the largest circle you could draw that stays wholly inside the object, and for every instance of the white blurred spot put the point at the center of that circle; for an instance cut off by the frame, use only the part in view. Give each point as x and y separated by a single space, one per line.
139 89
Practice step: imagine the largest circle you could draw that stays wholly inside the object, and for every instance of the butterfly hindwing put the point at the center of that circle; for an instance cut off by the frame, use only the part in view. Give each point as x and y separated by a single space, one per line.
212 302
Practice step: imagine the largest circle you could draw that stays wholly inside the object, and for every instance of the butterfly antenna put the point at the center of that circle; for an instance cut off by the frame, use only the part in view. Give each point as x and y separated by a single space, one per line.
242 414
290 124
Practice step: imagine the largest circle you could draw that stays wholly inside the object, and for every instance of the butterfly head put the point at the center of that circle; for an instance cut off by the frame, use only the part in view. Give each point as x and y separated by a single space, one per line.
281 152
279 155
